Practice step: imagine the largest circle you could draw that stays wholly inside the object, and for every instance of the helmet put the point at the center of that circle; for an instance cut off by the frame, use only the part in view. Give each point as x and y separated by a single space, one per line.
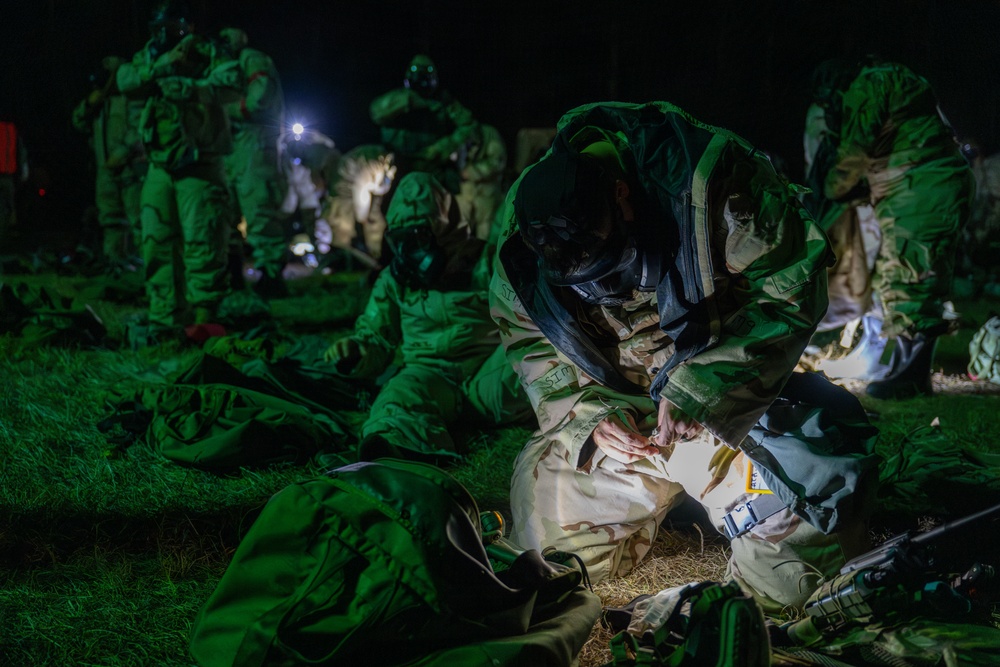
169 22
567 215
421 76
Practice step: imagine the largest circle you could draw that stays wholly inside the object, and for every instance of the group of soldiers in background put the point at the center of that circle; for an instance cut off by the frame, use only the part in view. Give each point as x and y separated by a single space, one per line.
191 145
194 163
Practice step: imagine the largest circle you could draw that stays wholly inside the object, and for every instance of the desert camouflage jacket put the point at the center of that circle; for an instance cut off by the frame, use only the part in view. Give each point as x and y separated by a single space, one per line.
743 283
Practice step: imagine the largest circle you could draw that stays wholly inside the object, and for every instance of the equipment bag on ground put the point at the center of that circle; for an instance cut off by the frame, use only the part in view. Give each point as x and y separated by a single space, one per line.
383 563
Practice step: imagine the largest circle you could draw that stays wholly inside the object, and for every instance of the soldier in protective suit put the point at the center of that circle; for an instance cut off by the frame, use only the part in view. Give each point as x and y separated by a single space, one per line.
252 169
184 202
423 126
890 137
112 121
656 283
481 192
431 306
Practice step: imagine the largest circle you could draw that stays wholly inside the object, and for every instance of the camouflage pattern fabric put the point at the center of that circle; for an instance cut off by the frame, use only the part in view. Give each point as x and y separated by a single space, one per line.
252 169
610 512
423 133
768 247
921 188
114 135
184 200
746 230
853 231
918 642
364 177
184 235
481 192
442 339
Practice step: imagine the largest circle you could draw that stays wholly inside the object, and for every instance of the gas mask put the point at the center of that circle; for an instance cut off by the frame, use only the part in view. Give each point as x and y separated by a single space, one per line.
637 270
421 76
418 261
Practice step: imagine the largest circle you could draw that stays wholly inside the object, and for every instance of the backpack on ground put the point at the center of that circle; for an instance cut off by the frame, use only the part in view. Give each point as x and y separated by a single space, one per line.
704 624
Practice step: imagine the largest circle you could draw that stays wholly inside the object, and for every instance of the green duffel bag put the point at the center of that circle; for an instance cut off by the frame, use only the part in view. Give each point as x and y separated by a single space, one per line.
383 563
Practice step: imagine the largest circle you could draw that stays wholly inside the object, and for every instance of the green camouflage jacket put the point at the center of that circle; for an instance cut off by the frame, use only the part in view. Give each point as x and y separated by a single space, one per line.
889 124
422 131
445 328
184 121
113 126
739 300
428 327
261 103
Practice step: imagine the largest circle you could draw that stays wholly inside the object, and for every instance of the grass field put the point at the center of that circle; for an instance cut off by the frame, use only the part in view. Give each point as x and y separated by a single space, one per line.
108 551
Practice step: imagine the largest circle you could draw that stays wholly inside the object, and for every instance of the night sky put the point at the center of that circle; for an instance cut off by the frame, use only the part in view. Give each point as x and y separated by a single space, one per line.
740 65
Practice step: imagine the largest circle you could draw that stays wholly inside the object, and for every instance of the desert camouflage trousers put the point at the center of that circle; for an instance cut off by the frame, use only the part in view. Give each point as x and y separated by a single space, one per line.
609 514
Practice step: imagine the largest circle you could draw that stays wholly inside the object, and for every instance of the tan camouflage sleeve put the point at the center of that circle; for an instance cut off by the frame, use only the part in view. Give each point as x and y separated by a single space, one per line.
567 403
778 257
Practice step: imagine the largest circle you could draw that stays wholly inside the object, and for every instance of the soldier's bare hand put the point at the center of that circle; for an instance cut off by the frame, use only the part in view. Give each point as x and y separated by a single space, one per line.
673 425
622 441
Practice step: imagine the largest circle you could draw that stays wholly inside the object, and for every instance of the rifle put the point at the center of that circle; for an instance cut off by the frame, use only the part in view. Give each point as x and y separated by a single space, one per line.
902 578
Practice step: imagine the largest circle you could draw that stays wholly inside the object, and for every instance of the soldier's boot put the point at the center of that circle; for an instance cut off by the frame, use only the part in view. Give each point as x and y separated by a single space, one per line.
864 362
910 369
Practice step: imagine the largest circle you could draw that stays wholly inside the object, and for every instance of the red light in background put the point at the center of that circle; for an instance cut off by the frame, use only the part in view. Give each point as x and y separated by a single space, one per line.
41 192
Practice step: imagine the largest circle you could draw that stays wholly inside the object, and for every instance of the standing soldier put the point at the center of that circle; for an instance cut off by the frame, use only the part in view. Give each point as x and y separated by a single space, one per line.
481 191
112 121
891 137
184 203
423 126
256 184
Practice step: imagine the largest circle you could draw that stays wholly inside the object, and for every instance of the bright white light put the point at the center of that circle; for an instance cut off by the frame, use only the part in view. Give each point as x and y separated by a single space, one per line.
298 128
